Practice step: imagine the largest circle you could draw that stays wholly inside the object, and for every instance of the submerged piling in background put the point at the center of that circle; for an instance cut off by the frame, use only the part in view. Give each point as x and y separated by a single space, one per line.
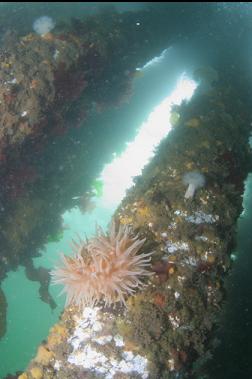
168 329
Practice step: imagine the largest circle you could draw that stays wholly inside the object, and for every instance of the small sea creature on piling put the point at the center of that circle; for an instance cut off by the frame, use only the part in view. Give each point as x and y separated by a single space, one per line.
194 180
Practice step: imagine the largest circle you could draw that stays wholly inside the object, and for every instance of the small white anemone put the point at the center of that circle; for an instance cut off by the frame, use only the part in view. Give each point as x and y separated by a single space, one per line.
43 25
194 180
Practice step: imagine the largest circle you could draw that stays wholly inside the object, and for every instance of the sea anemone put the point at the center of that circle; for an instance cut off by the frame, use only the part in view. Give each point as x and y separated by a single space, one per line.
105 268
43 25
194 180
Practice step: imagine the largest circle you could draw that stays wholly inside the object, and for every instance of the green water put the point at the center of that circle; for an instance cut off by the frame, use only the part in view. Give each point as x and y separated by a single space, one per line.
29 319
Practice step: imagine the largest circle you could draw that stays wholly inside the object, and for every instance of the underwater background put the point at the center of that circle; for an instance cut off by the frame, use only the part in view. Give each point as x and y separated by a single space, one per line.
75 131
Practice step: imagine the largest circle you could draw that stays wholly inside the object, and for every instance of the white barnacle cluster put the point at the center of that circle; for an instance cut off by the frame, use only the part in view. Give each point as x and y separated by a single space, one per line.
94 347
172 247
200 217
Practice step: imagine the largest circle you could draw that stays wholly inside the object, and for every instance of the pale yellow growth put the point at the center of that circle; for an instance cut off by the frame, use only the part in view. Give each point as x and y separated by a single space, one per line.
57 334
36 373
23 376
43 356
193 123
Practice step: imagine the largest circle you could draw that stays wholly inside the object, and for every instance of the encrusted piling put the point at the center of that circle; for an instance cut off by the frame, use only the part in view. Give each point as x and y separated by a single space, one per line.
51 85
168 328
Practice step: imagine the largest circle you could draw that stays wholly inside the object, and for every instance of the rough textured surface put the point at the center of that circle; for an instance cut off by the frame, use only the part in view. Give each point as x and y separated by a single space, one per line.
50 84
50 88
169 328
